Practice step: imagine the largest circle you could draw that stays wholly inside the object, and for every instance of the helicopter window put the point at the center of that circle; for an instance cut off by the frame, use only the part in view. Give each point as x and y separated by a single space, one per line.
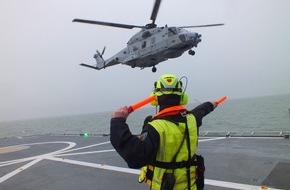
144 44
134 48
146 34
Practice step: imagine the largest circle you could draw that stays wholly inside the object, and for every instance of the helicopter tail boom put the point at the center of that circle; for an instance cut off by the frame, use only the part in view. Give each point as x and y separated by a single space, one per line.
89 66
99 59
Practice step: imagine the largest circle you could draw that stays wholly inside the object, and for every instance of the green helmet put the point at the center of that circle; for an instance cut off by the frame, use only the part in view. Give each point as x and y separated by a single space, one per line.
169 84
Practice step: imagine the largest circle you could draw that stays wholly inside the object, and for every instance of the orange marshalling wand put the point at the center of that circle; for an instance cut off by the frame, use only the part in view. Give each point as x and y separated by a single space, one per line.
152 98
141 103
221 99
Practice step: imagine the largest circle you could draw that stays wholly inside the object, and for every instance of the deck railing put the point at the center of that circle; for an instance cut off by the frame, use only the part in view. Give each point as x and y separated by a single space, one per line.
284 134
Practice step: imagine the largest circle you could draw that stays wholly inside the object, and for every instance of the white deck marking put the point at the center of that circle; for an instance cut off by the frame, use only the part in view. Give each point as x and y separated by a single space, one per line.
216 183
85 147
91 152
13 173
211 139
35 159
93 165
54 157
70 145
7 163
232 185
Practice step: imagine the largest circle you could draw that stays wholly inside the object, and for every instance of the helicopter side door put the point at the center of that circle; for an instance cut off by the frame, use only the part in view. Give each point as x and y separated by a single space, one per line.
156 43
145 47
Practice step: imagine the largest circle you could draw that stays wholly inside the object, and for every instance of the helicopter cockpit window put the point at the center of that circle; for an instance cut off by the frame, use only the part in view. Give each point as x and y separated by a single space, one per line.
144 44
172 31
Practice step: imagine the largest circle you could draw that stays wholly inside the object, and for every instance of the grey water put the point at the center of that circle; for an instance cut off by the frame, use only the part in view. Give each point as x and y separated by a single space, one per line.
268 113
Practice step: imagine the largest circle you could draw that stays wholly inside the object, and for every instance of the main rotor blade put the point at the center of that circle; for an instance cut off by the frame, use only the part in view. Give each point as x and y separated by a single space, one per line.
127 26
155 11
199 26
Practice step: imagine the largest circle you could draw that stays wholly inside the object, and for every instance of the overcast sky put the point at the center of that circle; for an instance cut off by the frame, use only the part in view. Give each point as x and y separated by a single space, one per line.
41 49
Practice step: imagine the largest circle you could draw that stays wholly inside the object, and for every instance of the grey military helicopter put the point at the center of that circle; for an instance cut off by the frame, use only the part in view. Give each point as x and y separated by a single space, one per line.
151 45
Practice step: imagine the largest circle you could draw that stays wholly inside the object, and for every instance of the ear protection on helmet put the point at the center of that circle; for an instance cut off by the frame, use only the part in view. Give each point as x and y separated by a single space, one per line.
183 99
154 102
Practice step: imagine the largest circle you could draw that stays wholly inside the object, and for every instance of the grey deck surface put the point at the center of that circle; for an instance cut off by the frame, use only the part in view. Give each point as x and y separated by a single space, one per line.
77 162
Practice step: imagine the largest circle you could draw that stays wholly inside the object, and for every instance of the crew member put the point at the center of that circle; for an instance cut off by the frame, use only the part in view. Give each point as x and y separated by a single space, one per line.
166 147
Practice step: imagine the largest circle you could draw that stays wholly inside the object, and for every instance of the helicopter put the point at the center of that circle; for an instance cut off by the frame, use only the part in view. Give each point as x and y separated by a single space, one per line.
151 45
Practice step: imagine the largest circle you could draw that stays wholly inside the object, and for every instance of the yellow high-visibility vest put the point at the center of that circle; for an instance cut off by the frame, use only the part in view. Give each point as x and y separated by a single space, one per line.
171 137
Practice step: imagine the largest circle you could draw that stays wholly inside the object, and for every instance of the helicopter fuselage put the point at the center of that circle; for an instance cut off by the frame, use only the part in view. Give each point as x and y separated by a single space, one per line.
149 47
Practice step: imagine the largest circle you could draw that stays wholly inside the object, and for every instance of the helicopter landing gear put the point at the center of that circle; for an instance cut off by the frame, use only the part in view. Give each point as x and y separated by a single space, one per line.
191 52
133 66
154 69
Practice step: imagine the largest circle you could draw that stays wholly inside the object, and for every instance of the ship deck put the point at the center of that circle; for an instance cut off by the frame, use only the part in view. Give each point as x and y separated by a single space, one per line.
68 162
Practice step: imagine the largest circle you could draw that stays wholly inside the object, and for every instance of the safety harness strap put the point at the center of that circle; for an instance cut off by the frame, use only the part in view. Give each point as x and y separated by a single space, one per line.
176 165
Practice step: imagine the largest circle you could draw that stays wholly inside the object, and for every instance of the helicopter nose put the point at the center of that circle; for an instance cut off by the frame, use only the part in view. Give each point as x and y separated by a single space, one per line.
190 38
196 39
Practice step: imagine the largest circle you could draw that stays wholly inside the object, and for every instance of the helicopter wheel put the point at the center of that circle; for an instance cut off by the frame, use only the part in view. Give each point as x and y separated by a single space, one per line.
133 66
191 52
154 69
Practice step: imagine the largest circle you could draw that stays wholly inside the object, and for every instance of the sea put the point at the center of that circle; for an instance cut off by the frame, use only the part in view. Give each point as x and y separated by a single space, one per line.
267 113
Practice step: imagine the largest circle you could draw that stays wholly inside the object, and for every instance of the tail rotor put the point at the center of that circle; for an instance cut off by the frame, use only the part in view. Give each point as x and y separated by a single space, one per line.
103 52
